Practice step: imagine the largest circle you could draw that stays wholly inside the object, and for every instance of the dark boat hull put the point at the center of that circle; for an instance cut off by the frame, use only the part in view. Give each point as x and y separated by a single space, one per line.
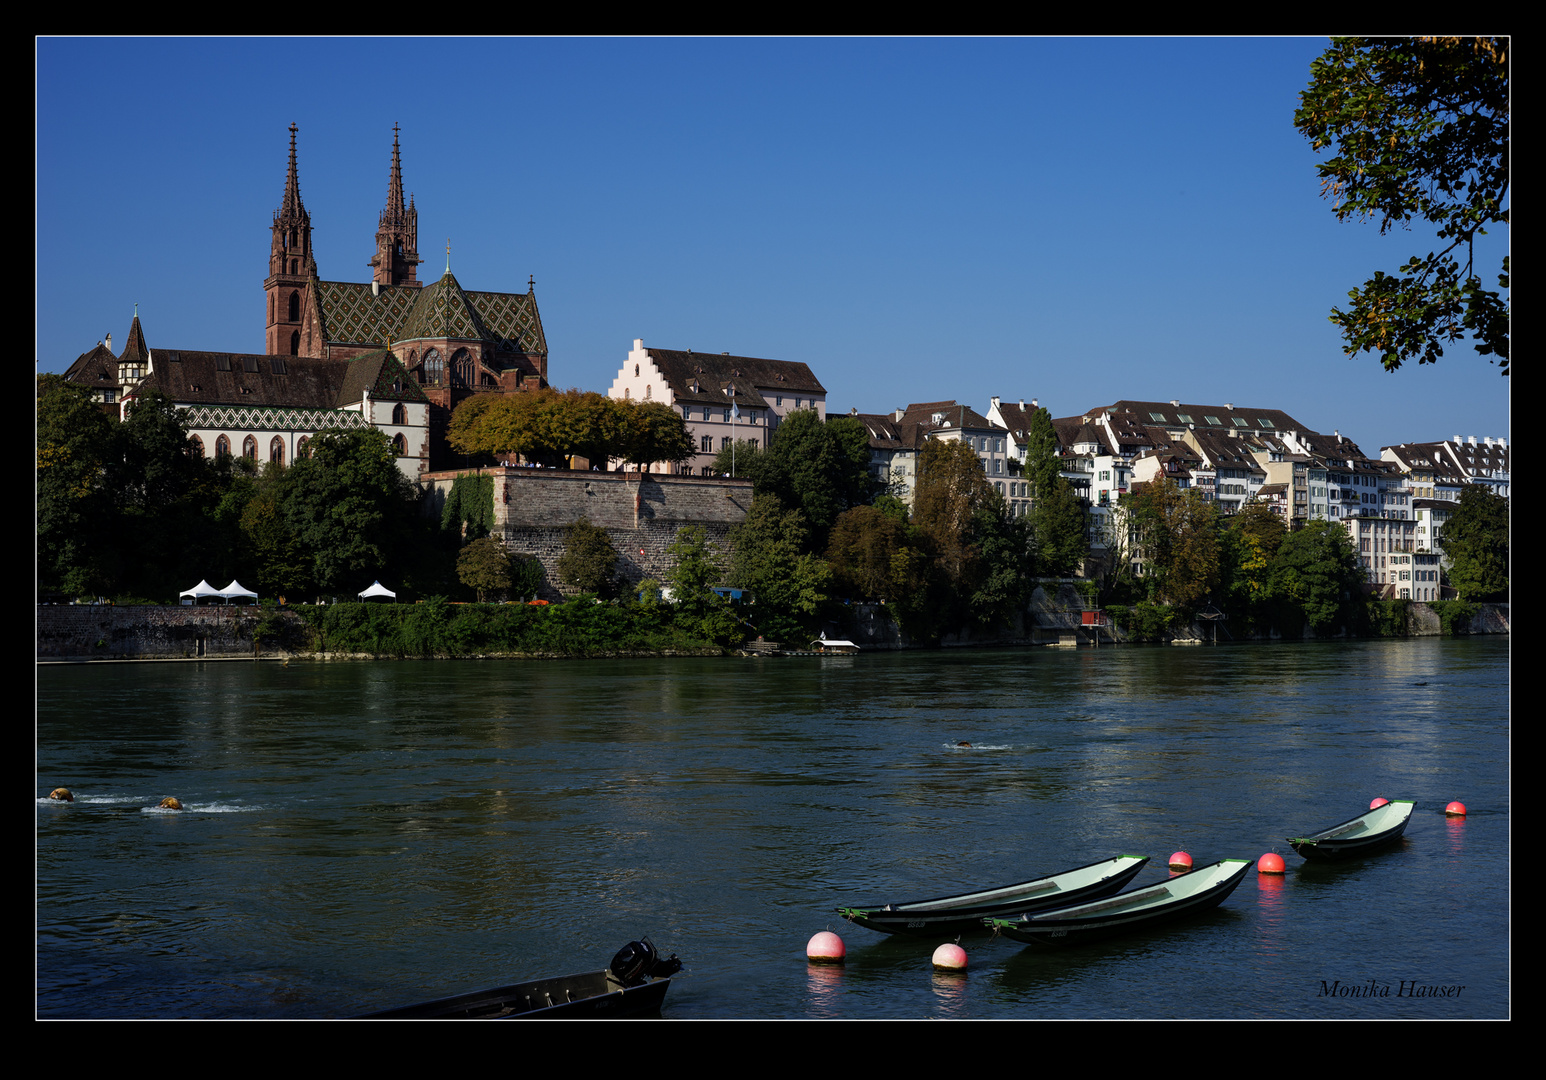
591 994
1076 927
951 918
1334 843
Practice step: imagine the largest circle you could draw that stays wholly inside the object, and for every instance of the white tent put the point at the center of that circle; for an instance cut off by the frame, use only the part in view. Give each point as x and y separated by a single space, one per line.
202 591
377 589
235 589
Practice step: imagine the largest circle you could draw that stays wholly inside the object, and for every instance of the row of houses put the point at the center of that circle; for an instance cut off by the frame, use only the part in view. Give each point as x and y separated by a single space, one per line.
1393 505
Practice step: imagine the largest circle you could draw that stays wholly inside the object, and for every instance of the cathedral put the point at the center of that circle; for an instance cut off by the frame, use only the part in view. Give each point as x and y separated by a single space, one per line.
392 353
454 342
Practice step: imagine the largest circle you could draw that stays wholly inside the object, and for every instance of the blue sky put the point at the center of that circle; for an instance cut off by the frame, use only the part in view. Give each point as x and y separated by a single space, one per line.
1072 220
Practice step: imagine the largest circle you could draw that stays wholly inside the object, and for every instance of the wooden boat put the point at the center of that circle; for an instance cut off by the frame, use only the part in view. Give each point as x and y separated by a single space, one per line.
1369 830
1197 890
950 915
634 985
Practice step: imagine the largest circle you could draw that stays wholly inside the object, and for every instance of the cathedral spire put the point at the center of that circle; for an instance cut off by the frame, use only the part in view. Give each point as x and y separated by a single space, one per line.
397 234
290 264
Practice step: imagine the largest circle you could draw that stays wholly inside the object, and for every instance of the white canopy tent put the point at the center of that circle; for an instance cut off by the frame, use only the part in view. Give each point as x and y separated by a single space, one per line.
235 589
378 589
202 591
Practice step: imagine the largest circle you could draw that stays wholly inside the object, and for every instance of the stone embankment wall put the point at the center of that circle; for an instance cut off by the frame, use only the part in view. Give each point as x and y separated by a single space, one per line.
148 632
641 513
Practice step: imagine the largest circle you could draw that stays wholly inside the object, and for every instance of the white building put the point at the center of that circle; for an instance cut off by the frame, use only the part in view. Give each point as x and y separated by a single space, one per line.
720 396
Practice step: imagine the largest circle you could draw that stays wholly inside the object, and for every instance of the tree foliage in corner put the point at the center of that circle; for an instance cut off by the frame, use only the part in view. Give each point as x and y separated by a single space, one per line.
1419 129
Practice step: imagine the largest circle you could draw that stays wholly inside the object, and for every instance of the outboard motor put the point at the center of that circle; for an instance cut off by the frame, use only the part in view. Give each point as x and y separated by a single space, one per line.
638 961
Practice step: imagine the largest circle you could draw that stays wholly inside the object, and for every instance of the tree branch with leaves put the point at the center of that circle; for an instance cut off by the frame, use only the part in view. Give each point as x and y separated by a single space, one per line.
1418 128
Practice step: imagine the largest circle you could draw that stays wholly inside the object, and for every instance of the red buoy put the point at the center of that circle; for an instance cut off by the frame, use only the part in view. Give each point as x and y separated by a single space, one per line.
1180 861
950 957
1455 809
1377 803
825 948
1270 863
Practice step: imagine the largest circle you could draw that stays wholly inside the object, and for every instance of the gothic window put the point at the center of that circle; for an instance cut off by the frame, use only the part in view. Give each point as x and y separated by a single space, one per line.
461 368
295 344
195 446
270 307
276 451
301 449
400 445
399 413
434 368
627 394
295 307
647 389
222 447
250 448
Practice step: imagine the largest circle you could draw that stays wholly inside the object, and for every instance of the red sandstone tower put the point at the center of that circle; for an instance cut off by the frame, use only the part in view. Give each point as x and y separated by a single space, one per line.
290 266
397 235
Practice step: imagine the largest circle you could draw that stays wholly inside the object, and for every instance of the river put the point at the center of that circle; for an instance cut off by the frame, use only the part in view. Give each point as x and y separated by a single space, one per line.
360 835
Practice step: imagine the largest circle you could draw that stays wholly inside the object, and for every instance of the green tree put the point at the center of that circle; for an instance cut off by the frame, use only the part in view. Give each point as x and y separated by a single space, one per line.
484 567
1057 515
74 510
738 459
951 489
1177 531
790 587
695 571
349 508
1476 540
1248 547
820 469
655 433
589 561
1419 129
1317 571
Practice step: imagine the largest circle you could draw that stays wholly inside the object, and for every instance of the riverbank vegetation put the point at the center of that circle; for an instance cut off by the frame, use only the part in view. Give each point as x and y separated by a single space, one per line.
124 509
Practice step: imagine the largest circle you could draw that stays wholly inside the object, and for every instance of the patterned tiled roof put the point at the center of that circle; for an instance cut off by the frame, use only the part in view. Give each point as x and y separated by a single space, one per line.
270 418
353 314
356 314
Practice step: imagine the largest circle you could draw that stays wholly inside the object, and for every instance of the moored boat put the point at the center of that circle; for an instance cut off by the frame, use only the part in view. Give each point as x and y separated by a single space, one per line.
1197 890
635 984
1372 829
950 915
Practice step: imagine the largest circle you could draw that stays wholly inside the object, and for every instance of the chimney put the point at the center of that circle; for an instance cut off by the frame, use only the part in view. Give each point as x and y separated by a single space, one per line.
109 342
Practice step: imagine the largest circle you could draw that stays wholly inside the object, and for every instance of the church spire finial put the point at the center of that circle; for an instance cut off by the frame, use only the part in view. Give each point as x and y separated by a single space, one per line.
292 200
397 234
394 206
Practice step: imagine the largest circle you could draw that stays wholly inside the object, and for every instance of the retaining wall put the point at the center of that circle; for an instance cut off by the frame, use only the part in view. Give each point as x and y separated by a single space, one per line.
641 513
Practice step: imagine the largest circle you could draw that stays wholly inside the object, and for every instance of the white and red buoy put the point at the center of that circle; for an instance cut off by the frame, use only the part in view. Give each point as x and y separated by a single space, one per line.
1270 863
1180 861
1455 809
949 957
825 948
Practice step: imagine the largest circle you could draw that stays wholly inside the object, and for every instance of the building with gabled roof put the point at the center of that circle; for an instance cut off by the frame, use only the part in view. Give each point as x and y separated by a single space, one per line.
721 397
268 407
